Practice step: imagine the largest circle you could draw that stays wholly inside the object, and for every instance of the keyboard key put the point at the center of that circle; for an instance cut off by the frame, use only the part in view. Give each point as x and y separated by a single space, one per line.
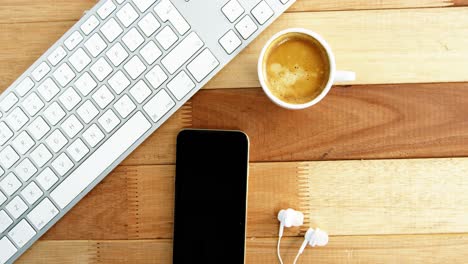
47 179
149 24
72 126
41 71
31 193
124 106
38 128
182 52
79 60
64 75
111 30
133 39
117 54
25 170
230 42
134 67
24 86
167 12
262 12
166 37
17 119
57 56
32 104
246 27
159 105
202 65
42 214
93 135
48 89
54 113
41 155
140 91
150 52
101 69
5 222
70 98
127 15
109 121
85 84
16 207
77 150
8 249
8 157
156 77
23 143
143 5
87 111
101 160
232 10
95 45
103 97
119 82
89 25
8 102
181 85
22 233
10 184
56 141
5 133
106 9
62 164
73 41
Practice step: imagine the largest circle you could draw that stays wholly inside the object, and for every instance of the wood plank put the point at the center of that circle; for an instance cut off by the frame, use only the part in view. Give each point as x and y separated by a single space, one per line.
444 248
357 122
391 46
342 197
139 204
372 53
27 11
21 11
314 5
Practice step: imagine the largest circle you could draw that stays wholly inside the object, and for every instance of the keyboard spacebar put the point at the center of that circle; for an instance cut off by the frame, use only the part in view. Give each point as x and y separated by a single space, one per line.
100 160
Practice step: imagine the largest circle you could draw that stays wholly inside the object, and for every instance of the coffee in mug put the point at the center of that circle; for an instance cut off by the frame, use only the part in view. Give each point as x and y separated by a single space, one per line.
297 68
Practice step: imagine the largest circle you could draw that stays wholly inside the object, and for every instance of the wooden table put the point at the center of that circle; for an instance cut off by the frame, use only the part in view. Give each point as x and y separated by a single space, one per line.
372 164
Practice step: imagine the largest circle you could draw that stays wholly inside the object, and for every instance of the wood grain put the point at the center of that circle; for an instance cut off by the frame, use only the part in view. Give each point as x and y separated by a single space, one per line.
365 42
343 197
391 46
136 202
356 122
26 11
429 249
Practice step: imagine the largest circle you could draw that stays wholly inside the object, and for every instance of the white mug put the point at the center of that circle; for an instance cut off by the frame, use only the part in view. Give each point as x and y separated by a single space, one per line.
335 75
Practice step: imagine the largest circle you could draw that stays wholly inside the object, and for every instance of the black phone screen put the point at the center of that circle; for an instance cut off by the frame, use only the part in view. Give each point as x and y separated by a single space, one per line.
210 197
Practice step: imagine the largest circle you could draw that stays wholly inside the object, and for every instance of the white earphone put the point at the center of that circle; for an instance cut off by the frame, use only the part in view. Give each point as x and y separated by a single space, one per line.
313 237
289 218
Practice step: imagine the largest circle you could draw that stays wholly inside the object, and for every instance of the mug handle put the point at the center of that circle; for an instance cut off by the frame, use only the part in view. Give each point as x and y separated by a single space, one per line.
345 76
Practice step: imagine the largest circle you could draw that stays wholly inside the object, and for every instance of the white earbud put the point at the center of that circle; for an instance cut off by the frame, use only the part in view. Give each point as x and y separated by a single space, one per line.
314 238
289 218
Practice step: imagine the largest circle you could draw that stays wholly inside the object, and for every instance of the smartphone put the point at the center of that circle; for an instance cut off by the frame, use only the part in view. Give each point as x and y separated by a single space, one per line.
210 197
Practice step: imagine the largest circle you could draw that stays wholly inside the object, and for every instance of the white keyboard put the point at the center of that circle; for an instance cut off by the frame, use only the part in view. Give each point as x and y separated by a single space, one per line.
100 91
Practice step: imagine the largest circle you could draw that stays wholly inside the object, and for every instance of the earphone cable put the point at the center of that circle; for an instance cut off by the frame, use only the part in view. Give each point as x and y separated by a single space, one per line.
297 257
278 248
